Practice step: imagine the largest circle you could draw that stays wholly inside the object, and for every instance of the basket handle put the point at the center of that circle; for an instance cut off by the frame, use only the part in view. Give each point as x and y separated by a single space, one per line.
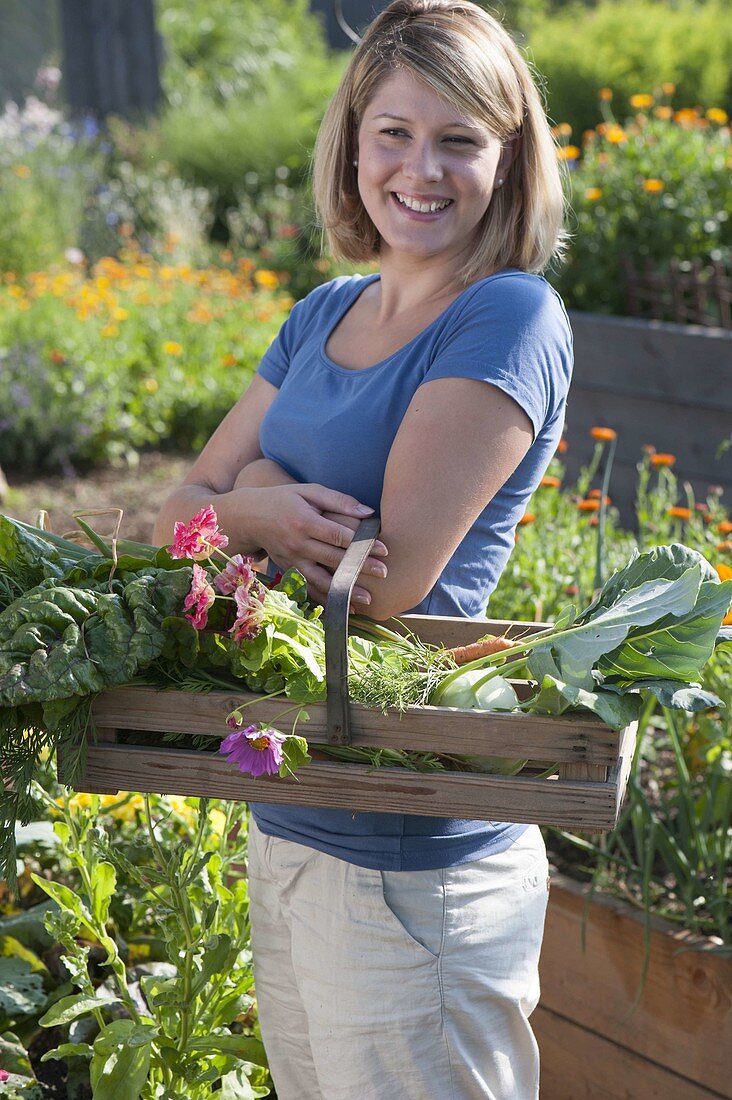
335 622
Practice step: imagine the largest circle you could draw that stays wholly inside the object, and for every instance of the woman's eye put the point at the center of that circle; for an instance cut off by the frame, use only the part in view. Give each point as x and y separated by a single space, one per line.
458 139
394 132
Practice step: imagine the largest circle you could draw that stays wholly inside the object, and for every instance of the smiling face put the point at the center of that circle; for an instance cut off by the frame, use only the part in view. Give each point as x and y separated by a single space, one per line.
426 174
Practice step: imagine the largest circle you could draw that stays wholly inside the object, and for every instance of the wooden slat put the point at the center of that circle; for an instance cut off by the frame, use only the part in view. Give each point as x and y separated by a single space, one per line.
683 1020
589 806
577 1064
573 739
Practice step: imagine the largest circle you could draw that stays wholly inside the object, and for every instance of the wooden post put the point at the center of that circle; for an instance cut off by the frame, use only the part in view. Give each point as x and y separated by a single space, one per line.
111 57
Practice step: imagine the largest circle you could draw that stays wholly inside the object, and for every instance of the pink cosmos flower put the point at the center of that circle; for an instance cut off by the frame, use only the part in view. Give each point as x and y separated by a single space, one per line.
255 751
199 538
200 598
238 571
4 1075
249 612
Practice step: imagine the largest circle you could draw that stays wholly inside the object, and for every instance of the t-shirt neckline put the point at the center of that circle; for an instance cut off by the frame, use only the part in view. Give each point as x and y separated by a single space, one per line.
361 286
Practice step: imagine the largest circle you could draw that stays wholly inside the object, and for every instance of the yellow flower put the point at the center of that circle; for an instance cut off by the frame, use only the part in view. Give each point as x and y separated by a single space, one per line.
606 94
180 807
151 385
641 101
615 134
81 801
120 314
653 186
22 171
568 152
663 112
592 194
229 360
16 292
128 811
716 114
564 129
217 820
170 347
110 330
687 116
266 279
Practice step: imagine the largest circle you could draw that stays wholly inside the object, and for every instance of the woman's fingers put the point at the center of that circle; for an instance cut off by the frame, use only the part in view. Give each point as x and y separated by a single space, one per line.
319 581
330 500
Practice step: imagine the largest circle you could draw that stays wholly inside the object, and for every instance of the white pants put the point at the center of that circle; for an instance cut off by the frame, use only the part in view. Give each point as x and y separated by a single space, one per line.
398 985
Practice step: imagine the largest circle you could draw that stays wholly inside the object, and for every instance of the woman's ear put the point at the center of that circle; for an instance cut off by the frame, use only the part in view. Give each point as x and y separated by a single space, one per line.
509 151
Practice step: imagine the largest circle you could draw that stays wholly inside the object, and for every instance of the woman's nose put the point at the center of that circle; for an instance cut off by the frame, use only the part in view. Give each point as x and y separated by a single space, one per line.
423 162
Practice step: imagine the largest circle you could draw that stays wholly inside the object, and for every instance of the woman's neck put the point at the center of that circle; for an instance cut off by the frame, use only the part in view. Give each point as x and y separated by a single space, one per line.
406 284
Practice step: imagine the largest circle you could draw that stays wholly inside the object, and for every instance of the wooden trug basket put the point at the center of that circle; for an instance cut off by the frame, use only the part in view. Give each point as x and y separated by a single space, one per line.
593 761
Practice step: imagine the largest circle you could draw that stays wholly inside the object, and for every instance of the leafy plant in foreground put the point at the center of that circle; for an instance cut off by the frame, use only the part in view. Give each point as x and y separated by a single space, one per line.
181 1029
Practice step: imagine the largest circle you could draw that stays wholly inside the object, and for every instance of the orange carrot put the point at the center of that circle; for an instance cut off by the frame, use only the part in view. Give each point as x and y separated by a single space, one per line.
484 647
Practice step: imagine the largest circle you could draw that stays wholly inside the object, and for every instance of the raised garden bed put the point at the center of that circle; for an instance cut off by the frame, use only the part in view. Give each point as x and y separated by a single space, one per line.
674 1046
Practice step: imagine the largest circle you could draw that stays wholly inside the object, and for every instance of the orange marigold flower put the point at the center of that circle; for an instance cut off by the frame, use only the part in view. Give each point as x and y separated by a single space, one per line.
724 571
615 134
604 434
724 547
725 527
661 459
678 513
592 194
606 94
526 518
57 356
653 186
571 590
588 505
687 116
648 449
229 360
668 88
716 114
568 152
596 494
594 521
664 112
641 101
551 482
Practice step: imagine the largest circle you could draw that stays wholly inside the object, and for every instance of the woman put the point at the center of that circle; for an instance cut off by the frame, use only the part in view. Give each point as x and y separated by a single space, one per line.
396 956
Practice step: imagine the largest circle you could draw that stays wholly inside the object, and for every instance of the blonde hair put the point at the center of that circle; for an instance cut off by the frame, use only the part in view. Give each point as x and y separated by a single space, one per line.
469 60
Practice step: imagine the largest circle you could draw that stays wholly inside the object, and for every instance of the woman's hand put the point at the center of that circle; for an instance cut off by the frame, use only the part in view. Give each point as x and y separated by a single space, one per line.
308 527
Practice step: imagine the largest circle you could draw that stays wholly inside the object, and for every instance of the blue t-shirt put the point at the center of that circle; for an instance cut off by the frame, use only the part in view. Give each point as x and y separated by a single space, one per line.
335 426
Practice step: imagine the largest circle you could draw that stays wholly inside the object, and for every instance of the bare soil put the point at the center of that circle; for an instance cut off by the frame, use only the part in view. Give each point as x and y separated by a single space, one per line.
138 491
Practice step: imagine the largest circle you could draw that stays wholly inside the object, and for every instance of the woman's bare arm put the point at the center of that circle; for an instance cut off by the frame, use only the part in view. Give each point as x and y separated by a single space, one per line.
459 442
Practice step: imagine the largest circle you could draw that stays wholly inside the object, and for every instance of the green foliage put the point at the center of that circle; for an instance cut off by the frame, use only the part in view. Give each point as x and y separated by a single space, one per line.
246 87
96 370
653 190
158 878
632 47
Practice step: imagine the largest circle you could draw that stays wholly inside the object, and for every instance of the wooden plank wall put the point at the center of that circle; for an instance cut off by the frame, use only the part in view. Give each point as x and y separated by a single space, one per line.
653 382
675 1045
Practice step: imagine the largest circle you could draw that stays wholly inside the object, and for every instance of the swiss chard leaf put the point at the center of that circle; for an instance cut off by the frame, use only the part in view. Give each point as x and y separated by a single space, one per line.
556 697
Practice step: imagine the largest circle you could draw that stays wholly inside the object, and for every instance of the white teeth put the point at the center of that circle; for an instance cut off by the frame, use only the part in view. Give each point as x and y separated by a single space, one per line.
421 207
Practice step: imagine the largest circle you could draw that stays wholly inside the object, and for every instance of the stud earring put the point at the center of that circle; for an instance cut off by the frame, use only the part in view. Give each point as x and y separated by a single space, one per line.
499 182
355 164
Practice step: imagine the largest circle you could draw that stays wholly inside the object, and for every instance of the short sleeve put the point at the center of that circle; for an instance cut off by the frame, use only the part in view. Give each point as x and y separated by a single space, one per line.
276 360
512 331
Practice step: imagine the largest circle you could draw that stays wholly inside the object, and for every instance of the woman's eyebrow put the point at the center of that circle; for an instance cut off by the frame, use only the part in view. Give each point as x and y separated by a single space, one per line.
456 122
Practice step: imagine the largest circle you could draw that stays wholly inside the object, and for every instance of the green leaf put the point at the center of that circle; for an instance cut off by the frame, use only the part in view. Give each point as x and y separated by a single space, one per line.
670 693
103 886
676 646
577 651
215 959
119 1069
245 1047
294 755
10 948
70 1008
65 898
13 1056
236 1085
660 562
556 697
21 990
69 1050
